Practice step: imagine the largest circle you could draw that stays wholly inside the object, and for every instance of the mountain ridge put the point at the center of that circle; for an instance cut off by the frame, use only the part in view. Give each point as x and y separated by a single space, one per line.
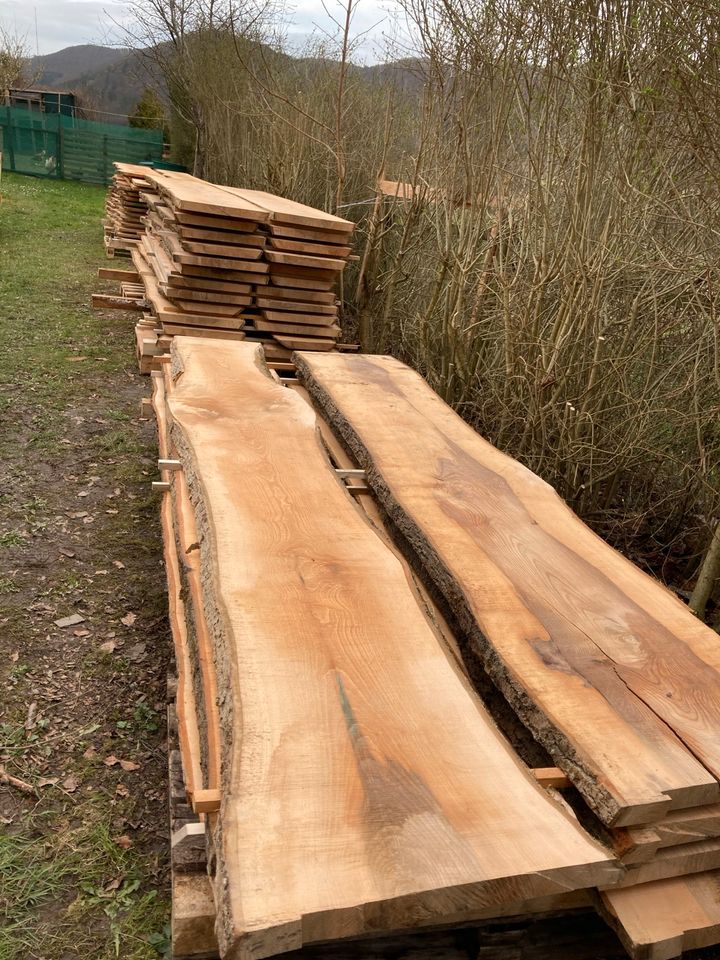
109 81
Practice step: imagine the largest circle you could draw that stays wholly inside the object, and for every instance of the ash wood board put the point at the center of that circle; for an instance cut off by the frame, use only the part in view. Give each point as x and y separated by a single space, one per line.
364 788
613 675
677 861
191 195
636 844
281 210
188 736
662 920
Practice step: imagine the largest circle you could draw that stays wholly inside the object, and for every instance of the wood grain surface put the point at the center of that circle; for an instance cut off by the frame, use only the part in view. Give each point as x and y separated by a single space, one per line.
364 787
612 673
662 920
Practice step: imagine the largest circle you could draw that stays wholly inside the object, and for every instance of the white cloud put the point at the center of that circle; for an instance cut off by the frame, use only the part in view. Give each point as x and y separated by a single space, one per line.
374 24
65 23
62 23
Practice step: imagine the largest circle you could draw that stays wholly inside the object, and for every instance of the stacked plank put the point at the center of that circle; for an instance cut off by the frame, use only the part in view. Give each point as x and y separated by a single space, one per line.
607 670
125 208
230 263
306 251
353 782
198 258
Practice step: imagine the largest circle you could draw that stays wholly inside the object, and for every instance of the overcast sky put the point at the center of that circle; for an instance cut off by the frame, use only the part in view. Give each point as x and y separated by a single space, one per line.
65 23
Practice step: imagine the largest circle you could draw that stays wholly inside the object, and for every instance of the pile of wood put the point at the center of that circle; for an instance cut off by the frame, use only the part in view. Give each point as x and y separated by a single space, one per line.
229 263
609 671
125 208
353 781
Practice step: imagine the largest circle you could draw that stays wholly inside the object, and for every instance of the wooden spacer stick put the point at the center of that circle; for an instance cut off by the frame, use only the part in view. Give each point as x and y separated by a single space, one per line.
345 474
551 777
205 801
169 465
160 486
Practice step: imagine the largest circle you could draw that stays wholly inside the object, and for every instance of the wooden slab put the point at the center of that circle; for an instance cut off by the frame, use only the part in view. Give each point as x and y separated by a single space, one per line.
233 251
286 316
221 263
278 229
324 265
196 196
306 296
221 236
301 279
282 210
271 303
215 222
199 649
225 276
661 920
304 343
678 861
200 319
364 786
206 284
612 673
208 296
301 329
312 249
636 844
215 333
188 736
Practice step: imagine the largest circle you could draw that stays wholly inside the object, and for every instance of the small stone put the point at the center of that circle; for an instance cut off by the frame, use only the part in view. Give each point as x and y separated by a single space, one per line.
70 621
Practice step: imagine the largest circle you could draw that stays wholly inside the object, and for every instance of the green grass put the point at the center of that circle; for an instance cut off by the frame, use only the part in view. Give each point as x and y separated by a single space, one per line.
67 887
83 872
49 247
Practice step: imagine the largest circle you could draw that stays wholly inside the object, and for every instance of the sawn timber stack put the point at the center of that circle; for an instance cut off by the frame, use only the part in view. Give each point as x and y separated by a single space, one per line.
125 208
229 263
352 781
610 672
363 786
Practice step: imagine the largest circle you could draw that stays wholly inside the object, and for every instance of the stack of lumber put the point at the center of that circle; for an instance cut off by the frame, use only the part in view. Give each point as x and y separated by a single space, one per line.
229 263
125 208
353 784
352 780
608 670
306 251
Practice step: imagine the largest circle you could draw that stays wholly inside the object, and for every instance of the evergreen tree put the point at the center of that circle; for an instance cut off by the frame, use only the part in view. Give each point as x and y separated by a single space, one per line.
149 112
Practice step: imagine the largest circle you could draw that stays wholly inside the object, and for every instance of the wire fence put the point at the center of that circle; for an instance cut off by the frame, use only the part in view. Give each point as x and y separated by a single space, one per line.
68 148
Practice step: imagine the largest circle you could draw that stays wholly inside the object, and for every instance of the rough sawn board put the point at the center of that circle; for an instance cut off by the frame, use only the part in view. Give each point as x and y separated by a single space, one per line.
364 787
614 675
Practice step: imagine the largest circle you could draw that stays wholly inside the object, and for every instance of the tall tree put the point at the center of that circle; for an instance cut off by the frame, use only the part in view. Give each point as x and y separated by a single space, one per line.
13 58
149 112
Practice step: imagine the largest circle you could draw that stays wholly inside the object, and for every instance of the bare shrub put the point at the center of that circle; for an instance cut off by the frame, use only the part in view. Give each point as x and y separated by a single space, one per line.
553 268
556 275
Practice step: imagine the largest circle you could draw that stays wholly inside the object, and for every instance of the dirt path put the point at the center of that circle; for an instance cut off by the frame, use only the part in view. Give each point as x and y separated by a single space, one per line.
83 853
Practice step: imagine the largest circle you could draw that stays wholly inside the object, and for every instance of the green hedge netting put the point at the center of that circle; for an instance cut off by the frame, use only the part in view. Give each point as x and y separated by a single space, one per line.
52 145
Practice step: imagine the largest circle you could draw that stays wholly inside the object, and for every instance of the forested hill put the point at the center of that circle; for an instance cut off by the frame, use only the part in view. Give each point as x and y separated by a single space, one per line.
112 79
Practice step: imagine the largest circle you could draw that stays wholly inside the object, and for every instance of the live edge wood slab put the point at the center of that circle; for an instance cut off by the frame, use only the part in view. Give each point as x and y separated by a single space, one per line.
364 787
611 673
